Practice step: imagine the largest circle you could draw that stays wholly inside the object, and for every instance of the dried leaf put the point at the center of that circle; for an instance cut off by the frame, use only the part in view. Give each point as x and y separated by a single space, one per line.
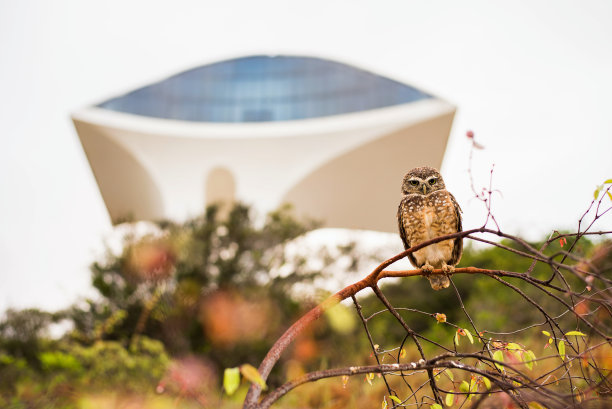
231 380
402 353
252 374
440 317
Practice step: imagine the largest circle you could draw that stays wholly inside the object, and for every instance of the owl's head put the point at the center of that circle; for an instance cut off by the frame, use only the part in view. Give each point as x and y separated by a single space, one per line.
422 181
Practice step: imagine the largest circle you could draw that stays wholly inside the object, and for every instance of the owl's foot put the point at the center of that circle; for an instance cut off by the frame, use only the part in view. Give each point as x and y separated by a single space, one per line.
448 269
427 269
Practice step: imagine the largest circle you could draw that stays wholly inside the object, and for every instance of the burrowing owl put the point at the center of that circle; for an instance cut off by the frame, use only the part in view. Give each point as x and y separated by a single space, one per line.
427 211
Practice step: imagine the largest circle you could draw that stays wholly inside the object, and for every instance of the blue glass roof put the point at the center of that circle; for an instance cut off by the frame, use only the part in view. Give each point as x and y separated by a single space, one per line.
265 88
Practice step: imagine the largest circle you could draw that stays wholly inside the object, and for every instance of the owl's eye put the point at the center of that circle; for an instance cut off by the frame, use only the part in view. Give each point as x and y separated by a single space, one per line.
433 181
414 182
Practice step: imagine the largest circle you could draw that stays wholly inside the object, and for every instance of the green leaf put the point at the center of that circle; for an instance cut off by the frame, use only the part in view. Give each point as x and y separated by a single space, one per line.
498 356
450 375
341 319
396 399
457 338
473 387
383 404
529 359
608 181
252 374
436 406
464 387
487 382
450 399
515 350
609 194
231 380
546 333
469 335
562 349
576 333
596 192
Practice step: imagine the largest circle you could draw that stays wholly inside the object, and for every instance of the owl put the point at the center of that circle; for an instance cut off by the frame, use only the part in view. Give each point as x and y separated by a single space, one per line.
427 211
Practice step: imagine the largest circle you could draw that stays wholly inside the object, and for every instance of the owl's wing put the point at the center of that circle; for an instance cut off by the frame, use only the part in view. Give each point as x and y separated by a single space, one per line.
458 247
402 231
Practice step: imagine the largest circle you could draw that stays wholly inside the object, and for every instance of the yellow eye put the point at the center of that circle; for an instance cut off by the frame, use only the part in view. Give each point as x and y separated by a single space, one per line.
414 182
433 181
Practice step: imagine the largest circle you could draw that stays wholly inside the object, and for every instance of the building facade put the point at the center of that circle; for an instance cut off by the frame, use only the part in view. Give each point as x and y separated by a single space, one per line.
332 139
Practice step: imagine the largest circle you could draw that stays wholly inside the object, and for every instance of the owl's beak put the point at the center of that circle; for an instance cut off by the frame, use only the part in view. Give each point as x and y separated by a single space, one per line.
424 189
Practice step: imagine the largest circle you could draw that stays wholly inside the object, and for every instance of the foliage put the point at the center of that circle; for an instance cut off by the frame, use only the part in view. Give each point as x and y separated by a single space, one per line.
216 288
184 302
64 367
209 283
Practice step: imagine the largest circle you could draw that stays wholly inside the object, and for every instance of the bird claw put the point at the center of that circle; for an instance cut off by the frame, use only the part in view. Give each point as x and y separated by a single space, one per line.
427 269
446 269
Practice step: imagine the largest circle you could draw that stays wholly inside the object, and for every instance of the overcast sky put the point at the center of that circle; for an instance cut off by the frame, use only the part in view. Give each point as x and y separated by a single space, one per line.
531 78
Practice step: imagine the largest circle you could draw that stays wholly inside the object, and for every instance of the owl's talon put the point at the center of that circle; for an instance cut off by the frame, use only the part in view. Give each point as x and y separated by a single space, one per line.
427 269
446 269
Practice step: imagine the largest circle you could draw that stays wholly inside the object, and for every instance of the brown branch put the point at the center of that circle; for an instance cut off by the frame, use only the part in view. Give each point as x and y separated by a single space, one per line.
504 382
367 331
380 272
411 333
372 279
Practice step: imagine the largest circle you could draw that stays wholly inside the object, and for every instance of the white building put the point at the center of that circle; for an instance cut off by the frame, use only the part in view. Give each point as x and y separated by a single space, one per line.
332 139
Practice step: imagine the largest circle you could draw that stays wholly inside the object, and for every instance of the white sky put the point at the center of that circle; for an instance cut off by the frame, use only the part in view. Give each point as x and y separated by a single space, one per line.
533 79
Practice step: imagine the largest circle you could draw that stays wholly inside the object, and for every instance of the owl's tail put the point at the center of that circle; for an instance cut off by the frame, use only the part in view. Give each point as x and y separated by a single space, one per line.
438 281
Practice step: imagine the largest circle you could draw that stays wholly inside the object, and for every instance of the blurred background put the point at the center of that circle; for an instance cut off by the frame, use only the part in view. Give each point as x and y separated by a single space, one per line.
532 80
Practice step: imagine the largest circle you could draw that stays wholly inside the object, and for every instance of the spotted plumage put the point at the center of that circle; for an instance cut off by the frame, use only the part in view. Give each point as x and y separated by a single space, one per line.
427 210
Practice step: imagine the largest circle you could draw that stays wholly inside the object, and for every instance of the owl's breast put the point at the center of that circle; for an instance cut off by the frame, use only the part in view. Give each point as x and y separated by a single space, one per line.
427 218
